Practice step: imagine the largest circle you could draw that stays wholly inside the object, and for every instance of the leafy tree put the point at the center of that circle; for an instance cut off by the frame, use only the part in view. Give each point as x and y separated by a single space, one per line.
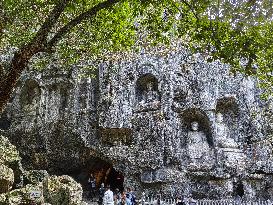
237 32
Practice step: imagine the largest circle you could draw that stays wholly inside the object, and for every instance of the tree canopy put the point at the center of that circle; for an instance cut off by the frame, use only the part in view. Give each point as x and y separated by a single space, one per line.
236 32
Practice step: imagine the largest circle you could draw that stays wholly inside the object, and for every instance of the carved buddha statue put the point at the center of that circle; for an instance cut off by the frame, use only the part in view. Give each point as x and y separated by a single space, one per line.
151 94
223 138
197 142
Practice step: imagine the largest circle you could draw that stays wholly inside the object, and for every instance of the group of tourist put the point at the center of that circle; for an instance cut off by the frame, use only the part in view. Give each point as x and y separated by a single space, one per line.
108 197
117 197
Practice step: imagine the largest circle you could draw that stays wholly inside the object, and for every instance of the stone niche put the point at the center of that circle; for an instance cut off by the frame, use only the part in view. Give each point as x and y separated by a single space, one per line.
30 97
63 98
211 188
148 96
197 115
116 136
197 139
226 128
152 176
229 109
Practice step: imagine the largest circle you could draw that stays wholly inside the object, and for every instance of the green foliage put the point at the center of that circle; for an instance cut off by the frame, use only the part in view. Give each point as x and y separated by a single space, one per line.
237 32
22 20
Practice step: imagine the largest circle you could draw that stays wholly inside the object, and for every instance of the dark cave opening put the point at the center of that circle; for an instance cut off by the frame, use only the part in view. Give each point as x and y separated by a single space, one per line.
115 179
4 122
103 171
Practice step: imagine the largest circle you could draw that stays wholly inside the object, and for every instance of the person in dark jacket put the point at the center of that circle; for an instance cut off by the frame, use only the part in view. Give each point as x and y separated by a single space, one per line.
101 193
92 186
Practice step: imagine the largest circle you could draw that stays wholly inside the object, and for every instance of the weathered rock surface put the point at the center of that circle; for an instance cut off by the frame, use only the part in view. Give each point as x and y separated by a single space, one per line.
62 190
8 152
9 156
137 116
38 187
22 196
6 178
35 176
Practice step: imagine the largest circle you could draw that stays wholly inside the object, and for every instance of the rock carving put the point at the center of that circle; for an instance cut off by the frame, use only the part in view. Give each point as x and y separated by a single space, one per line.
223 138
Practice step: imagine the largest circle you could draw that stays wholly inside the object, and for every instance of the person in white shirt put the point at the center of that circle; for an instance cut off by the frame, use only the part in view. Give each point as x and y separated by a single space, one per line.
108 198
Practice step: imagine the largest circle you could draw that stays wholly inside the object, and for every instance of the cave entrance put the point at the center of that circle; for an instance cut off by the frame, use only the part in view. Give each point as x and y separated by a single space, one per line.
104 172
115 179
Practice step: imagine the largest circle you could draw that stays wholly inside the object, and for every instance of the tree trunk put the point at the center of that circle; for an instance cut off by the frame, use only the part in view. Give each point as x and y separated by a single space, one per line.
40 44
18 65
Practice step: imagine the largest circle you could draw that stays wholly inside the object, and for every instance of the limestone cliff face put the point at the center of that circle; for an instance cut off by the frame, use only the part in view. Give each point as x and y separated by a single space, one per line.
170 122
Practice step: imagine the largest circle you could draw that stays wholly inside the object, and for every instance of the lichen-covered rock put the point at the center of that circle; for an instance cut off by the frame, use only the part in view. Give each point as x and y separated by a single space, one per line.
8 152
30 194
2 199
10 157
62 190
35 176
6 178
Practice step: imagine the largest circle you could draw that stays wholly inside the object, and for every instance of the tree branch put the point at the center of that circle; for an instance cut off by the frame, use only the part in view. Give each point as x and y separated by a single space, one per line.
22 57
88 14
50 21
190 7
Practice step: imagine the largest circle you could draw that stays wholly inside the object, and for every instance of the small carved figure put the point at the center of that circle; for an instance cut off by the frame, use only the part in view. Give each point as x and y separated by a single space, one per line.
223 139
197 145
151 94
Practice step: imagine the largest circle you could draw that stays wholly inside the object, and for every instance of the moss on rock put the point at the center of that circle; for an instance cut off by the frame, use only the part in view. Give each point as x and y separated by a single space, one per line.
10 157
35 176
40 189
8 152
62 190
23 196
6 178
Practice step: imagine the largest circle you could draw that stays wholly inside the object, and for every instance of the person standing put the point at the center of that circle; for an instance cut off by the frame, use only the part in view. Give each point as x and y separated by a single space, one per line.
101 193
133 199
92 186
123 198
108 198
130 197
117 197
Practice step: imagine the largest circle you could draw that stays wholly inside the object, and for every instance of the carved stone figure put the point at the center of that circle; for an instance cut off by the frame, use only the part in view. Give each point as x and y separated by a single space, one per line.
223 138
197 142
151 95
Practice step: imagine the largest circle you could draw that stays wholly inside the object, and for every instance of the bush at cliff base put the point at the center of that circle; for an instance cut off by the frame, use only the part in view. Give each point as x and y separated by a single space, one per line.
62 190
6 178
